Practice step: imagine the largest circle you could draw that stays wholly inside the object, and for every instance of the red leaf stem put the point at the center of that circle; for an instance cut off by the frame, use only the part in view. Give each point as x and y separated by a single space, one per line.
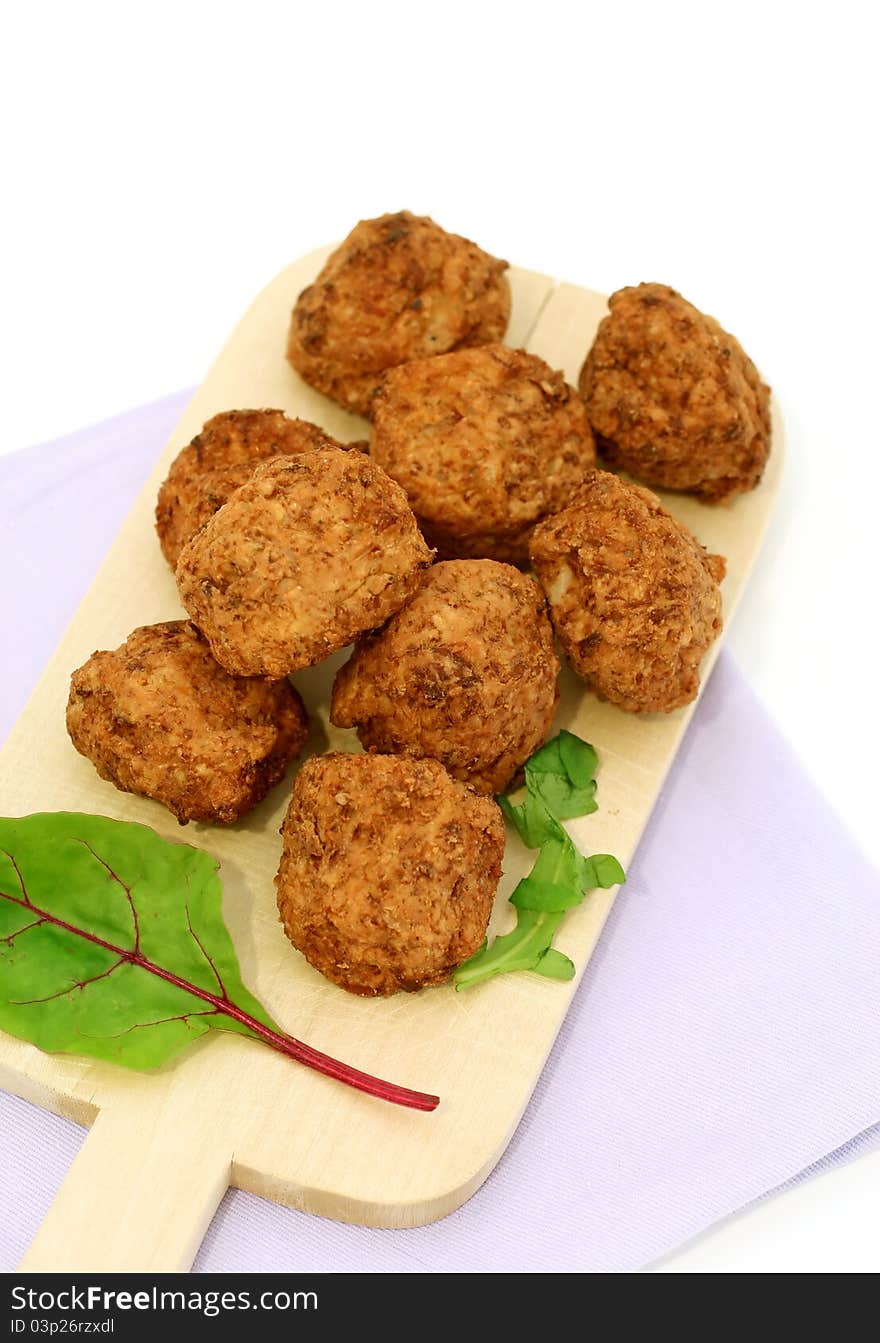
284 1044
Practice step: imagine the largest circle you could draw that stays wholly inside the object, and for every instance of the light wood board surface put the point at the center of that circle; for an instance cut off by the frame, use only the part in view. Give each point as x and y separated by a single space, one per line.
164 1147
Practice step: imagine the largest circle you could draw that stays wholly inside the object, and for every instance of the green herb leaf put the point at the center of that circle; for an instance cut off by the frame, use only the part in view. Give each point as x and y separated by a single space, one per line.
562 799
521 949
565 754
112 944
579 759
560 784
534 823
554 883
601 870
562 775
533 894
553 965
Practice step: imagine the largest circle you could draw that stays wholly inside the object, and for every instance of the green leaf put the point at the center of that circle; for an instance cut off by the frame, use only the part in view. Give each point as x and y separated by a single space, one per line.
138 894
514 814
547 759
554 882
561 774
112 944
553 965
579 759
601 870
561 876
532 894
560 784
533 821
562 799
558 862
520 949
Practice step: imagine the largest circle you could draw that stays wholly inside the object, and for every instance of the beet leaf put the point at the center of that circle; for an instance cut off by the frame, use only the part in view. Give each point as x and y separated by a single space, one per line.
112 944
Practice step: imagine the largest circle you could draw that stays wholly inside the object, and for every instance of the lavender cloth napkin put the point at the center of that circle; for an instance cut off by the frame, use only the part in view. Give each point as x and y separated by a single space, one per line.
726 1037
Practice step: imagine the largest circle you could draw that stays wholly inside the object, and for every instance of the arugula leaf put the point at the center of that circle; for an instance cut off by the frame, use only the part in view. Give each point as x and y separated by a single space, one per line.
560 784
565 754
562 876
562 799
112 944
554 965
579 758
521 949
601 870
562 774
545 895
534 822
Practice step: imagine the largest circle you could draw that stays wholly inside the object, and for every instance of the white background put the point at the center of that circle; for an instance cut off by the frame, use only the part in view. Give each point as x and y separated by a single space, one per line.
162 162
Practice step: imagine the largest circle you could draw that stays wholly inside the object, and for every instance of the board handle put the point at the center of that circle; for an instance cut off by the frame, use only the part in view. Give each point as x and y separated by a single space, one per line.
139 1195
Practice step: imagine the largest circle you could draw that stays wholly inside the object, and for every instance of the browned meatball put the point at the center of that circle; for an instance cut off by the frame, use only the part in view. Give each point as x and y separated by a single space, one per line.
633 596
159 717
673 399
309 553
486 443
466 672
399 287
221 458
389 871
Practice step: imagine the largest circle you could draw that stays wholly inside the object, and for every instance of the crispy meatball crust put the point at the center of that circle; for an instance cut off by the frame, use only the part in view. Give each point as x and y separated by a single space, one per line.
389 871
400 287
633 596
310 552
159 717
486 442
465 673
221 458
673 399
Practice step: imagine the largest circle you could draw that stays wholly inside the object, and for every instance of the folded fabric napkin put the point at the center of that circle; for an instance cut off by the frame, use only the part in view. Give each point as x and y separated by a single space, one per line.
724 1041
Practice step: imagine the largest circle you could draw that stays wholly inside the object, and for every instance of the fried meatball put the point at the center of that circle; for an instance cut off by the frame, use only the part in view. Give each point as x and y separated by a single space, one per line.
633 596
159 717
673 399
466 673
221 458
399 287
389 871
486 443
309 553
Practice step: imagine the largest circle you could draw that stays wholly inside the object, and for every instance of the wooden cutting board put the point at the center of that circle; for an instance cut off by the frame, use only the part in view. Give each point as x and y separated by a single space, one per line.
164 1147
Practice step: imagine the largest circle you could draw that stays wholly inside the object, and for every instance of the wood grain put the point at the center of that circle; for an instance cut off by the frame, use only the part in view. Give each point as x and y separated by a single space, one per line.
163 1147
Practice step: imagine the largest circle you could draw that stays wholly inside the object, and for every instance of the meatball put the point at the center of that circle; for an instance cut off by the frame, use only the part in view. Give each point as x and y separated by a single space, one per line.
633 596
466 673
673 399
309 553
399 287
159 717
221 458
388 872
486 443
